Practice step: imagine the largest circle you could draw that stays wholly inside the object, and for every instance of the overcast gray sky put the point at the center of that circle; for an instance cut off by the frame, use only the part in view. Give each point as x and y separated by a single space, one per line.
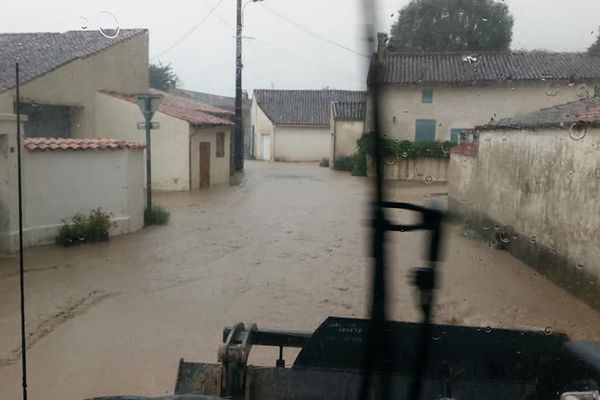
279 54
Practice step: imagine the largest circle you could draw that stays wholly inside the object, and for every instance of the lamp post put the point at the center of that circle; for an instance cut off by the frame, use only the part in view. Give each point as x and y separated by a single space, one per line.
239 125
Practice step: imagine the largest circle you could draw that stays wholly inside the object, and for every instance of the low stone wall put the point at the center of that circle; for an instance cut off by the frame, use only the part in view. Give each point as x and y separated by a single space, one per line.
57 184
418 169
542 187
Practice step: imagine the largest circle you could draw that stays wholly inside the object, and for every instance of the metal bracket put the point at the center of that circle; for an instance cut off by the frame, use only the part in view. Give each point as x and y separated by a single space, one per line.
233 355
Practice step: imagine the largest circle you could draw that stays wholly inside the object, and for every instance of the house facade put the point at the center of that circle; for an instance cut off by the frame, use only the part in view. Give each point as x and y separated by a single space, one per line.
435 96
228 104
190 150
69 165
61 73
530 183
295 125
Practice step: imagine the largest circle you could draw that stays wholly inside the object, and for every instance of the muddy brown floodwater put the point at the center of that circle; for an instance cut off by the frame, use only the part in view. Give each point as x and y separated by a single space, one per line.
285 250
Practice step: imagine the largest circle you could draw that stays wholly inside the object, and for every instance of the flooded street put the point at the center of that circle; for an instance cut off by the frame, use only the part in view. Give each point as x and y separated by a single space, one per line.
284 250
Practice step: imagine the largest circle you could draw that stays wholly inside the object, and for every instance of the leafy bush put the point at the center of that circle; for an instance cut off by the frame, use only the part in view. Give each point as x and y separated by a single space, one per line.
394 148
85 228
345 163
156 216
360 165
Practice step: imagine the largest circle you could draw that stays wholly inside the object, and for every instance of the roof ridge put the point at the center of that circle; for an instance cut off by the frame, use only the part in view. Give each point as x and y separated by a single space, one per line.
507 52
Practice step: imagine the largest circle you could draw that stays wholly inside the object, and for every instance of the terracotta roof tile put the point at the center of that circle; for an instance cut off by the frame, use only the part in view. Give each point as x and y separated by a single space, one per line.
41 144
467 149
199 114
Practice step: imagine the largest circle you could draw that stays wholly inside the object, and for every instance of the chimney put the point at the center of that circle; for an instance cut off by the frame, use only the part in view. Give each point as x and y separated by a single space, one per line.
382 39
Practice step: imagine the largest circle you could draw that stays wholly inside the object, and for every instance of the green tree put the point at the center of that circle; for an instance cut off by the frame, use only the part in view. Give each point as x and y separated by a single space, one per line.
452 25
162 77
595 47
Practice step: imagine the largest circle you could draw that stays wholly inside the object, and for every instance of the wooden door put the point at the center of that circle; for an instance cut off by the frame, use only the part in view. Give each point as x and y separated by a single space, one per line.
204 164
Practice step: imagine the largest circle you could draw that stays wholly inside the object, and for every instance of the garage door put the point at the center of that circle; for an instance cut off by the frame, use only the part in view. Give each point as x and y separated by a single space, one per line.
302 144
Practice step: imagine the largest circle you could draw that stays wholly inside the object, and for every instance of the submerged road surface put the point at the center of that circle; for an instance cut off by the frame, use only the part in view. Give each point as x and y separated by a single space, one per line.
285 250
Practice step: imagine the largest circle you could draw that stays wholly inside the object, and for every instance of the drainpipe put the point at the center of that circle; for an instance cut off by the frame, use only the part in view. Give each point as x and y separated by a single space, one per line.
334 141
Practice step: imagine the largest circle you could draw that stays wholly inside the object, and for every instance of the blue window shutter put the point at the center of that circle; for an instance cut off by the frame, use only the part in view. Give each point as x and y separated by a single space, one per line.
425 130
427 96
455 134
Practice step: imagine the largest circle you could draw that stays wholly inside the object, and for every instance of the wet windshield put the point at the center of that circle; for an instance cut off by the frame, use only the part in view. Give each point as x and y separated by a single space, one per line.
170 170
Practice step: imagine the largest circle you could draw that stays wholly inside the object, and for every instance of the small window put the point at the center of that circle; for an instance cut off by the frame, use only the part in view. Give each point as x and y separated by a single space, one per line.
455 134
47 120
220 144
597 91
427 96
425 130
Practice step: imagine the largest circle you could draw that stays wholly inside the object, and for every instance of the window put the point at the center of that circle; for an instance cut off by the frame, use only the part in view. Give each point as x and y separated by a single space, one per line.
455 134
220 144
425 130
427 96
47 120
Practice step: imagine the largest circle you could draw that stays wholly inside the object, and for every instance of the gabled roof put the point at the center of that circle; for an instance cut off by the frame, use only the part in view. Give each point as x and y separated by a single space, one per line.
349 110
302 107
221 102
475 68
586 111
182 108
41 144
41 53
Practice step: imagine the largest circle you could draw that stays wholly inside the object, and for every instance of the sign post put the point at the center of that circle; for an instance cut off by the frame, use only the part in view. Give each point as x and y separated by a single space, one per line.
148 104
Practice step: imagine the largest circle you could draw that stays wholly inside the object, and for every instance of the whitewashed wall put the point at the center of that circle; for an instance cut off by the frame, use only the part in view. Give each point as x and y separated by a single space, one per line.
545 186
463 107
118 118
59 184
219 166
302 143
427 170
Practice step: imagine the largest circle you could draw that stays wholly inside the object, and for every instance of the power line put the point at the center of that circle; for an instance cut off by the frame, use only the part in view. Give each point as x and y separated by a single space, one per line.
285 50
308 61
220 17
311 32
189 32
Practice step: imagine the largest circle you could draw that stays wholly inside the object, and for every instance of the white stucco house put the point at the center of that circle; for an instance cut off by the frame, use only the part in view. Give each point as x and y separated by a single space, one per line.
61 73
435 96
190 150
295 125
70 163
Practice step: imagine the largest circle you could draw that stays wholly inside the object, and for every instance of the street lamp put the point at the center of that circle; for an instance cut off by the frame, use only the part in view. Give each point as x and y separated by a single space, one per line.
238 155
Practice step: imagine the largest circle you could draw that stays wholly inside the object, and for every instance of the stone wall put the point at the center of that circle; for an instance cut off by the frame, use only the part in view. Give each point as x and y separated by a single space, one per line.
428 170
535 194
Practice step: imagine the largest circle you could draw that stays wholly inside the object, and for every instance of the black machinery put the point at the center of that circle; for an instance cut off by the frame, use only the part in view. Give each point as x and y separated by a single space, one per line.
347 358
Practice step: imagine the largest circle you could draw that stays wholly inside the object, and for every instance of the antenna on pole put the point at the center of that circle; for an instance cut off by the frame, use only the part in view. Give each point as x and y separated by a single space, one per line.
21 263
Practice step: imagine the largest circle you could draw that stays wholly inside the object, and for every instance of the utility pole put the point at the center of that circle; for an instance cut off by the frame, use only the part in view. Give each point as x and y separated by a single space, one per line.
239 127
